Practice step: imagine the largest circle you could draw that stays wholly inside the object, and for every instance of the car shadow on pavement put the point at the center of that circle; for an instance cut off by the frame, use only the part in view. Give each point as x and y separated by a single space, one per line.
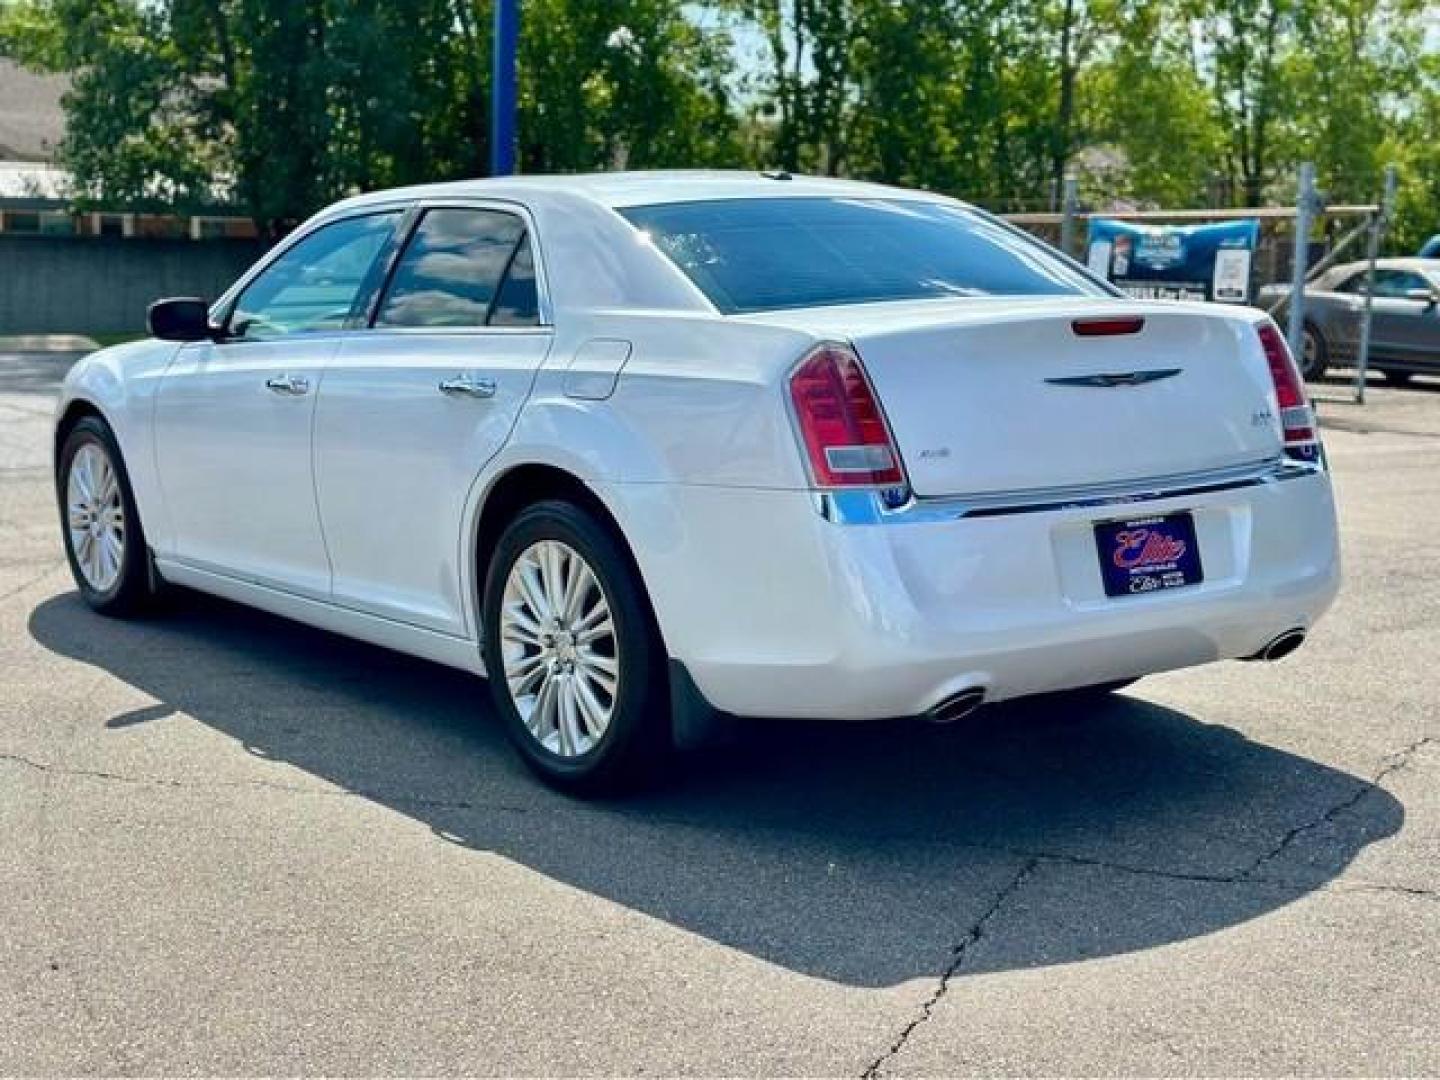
862 854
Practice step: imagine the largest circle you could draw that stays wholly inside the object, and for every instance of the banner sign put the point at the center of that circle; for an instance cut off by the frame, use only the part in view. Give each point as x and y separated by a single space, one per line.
1174 262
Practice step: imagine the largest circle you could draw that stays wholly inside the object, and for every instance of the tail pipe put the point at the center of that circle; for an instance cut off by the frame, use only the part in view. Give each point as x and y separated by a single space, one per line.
957 706
1282 646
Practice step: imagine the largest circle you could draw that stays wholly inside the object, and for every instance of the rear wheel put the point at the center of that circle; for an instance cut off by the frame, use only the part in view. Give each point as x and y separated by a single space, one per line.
575 664
1101 689
1098 692
104 542
1314 353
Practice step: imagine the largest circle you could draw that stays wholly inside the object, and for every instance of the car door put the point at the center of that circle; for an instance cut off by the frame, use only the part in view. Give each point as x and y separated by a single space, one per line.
1427 338
411 410
1402 327
233 416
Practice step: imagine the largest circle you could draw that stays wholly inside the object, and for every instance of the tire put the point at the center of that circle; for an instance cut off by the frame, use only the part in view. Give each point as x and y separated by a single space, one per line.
1397 378
550 685
1314 359
1098 692
98 516
1101 690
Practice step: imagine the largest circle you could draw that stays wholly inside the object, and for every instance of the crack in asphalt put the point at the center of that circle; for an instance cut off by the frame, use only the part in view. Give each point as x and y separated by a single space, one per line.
1033 860
1399 760
1249 875
957 959
1384 887
1396 762
383 798
18 589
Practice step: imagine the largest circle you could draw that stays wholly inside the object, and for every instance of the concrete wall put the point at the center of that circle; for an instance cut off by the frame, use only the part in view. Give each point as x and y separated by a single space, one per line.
102 285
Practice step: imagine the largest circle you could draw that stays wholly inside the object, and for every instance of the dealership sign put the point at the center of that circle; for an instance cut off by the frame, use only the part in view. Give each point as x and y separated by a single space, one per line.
1172 262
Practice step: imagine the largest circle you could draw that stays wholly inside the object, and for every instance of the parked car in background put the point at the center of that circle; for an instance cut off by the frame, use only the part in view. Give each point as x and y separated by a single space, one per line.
1405 317
645 446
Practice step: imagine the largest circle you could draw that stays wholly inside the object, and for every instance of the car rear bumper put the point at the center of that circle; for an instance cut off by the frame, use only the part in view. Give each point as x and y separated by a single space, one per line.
777 610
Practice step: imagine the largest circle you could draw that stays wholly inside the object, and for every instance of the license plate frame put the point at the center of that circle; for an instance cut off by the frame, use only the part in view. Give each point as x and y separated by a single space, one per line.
1146 555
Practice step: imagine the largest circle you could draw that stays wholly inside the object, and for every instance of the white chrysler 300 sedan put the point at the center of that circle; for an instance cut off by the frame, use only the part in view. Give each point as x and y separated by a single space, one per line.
648 448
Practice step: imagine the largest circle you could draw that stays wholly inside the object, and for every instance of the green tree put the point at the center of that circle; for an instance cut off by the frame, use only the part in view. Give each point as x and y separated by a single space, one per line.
1238 48
1144 97
274 105
808 81
609 83
279 106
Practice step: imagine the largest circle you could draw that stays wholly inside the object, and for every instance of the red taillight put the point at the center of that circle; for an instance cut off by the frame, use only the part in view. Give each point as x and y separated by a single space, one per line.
1107 327
844 432
1296 417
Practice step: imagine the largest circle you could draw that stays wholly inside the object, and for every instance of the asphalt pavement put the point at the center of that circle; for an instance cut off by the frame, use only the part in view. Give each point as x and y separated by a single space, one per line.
231 844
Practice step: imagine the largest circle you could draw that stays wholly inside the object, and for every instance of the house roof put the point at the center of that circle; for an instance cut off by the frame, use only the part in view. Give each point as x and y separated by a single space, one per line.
33 184
32 122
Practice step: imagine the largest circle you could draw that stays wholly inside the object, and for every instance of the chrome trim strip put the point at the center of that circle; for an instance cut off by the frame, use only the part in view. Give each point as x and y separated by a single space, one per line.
867 506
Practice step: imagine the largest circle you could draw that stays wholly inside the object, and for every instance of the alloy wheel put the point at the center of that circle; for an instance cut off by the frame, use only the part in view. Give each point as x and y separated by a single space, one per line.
95 515
559 648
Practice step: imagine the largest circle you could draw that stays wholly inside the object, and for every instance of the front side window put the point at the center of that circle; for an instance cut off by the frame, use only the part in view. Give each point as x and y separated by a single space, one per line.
463 268
767 254
1389 283
1398 284
313 285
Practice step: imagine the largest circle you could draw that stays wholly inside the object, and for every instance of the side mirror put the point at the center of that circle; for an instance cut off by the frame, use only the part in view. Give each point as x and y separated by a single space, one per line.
1424 296
181 318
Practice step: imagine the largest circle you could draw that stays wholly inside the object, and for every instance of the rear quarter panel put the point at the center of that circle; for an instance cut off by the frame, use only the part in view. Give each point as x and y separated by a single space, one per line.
700 401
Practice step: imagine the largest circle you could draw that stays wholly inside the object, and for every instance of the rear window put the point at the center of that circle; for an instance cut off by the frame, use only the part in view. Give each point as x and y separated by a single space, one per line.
767 254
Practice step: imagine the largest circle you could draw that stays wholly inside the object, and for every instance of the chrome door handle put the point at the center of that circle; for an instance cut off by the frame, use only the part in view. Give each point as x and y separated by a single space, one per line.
288 384
468 385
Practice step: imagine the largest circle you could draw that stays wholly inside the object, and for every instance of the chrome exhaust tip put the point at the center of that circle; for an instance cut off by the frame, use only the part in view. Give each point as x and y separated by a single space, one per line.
1281 646
957 706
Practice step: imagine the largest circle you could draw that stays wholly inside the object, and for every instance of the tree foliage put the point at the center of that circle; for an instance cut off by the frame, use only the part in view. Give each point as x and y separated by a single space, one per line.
281 105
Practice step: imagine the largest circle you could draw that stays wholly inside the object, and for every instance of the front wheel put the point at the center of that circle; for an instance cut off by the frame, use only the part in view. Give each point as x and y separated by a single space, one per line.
575 663
104 542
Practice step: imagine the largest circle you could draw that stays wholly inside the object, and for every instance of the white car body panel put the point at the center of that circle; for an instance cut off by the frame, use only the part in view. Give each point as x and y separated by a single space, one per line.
798 616
964 386
356 507
233 461
383 437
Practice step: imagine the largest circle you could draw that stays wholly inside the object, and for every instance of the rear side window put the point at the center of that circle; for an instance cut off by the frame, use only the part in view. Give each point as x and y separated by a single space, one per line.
457 267
766 254
518 301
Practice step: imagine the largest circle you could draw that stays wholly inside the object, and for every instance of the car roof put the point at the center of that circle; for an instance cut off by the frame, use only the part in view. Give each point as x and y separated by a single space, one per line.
1406 262
622 189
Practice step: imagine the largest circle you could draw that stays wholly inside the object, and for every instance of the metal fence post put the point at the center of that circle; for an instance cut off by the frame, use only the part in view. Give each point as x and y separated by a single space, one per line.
1377 232
1304 205
1067 220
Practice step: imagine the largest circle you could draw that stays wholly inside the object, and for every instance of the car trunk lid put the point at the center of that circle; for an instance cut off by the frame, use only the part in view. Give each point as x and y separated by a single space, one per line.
990 397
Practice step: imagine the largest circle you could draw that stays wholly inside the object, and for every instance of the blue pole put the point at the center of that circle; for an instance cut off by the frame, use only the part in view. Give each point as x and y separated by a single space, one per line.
502 91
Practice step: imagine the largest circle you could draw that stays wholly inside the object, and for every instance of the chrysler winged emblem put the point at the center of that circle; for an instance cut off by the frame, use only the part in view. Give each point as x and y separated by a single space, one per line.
1118 378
